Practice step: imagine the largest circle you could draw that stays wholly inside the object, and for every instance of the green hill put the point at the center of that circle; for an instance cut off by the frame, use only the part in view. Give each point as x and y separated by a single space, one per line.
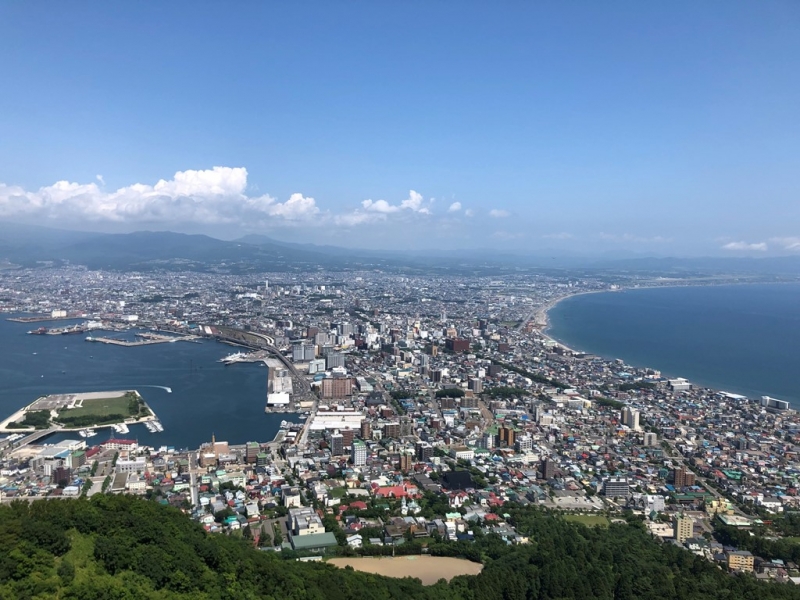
120 547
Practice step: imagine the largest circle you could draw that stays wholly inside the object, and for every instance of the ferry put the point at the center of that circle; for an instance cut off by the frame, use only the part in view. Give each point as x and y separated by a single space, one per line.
233 358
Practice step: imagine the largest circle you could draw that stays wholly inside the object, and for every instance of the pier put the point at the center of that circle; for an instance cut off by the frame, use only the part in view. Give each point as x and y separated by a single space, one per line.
145 339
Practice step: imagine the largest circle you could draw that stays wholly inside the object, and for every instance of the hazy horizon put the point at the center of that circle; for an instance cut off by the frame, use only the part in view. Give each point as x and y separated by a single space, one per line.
620 129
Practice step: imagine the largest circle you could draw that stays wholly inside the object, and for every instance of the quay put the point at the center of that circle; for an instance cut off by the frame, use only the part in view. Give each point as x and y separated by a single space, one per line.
145 339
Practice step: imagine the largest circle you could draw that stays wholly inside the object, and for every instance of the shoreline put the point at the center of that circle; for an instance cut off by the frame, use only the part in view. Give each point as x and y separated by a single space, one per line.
542 319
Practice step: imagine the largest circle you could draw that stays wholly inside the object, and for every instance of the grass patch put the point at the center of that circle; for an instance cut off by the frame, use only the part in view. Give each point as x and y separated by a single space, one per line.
99 411
588 520
338 492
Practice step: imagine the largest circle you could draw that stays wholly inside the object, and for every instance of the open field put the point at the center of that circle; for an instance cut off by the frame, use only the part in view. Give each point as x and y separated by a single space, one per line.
428 569
101 407
588 520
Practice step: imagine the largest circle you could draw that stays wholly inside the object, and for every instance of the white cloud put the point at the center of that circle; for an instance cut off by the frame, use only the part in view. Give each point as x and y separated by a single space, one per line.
758 247
469 213
787 243
100 179
498 213
211 196
558 236
454 207
413 203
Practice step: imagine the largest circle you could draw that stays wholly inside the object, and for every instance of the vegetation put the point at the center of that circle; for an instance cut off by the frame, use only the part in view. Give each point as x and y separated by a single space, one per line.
505 392
637 385
121 547
450 393
601 401
530 375
99 411
38 419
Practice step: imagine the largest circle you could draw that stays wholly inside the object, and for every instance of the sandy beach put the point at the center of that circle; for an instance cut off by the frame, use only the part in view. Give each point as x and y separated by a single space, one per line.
428 569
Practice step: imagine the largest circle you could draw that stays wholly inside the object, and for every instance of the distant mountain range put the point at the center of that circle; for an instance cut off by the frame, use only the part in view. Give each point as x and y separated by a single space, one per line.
28 245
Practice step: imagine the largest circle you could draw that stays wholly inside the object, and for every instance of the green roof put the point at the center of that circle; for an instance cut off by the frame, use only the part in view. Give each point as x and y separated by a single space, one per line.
314 540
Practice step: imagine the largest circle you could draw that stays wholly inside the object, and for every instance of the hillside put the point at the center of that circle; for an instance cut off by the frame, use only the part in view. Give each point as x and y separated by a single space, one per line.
119 547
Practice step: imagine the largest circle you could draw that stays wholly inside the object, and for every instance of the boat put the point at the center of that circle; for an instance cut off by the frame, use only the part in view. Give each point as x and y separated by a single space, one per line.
233 358
86 433
121 428
40 331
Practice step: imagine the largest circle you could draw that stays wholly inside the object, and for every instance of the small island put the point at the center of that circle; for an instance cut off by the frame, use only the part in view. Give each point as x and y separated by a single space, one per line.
78 411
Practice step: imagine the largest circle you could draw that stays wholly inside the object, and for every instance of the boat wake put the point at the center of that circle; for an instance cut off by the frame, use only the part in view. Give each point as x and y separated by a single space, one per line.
161 387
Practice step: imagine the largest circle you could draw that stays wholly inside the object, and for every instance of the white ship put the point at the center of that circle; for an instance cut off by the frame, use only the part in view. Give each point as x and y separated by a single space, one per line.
121 428
233 358
154 426
87 433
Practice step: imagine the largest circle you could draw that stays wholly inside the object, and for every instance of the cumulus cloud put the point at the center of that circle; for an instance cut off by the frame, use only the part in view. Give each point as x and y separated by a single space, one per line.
758 247
414 203
454 207
787 243
211 196
469 213
498 213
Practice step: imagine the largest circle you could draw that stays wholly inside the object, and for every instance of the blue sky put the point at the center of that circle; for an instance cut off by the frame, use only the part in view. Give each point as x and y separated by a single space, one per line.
581 127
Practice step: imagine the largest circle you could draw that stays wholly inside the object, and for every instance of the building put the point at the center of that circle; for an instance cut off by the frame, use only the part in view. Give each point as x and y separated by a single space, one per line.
462 453
391 430
548 469
682 477
630 417
616 487
457 345
740 560
476 385
334 360
424 451
137 465
305 521
506 437
650 439
358 453
251 451
524 443
682 528
303 352
337 444
336 387
406 462
366 430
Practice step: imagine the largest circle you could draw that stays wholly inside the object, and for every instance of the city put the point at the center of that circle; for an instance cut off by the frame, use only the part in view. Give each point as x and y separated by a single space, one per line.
415 408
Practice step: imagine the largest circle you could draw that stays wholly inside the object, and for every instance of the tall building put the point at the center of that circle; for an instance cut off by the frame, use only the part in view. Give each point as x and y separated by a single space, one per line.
366 430
548 469
476 385
630 417
650 439
682 478
358 453
524 443
506 436
337 444
682 528
406 462
616 487
391 430
336 387
334 359
251 451
424 451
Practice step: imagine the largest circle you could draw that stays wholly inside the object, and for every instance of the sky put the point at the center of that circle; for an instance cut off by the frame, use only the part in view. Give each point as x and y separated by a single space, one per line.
601 128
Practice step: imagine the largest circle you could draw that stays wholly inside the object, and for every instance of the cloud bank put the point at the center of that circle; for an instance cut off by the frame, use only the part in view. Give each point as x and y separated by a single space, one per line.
212 196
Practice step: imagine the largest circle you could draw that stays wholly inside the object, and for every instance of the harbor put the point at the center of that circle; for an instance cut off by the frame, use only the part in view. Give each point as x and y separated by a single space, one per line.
145 339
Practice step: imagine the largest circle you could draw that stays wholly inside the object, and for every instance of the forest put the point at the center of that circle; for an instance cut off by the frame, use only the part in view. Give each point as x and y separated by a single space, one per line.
121 547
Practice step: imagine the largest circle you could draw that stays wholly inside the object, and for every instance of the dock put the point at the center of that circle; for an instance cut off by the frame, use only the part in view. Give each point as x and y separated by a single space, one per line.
145 339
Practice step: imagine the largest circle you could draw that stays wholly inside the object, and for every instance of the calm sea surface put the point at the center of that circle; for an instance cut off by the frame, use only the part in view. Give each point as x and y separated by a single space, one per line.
743 339
207 397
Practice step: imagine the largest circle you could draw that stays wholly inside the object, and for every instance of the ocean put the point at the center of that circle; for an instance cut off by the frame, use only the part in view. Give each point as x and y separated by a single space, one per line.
207 396
743 339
